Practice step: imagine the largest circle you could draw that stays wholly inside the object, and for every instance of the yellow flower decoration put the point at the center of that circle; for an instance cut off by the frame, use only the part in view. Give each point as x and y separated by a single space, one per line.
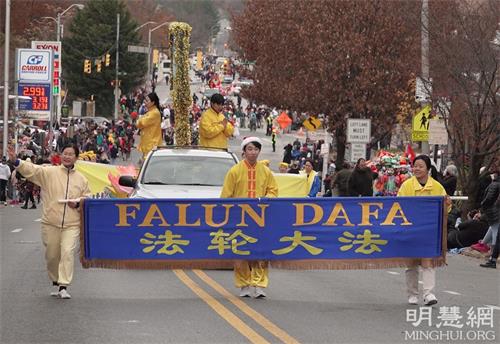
179 39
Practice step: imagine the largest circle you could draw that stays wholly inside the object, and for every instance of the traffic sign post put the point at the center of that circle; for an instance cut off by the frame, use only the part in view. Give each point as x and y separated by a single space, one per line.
438 135
359 130
358 151
420 124
312 123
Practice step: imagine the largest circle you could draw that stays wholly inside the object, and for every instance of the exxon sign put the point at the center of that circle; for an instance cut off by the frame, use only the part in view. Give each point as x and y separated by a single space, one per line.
34 65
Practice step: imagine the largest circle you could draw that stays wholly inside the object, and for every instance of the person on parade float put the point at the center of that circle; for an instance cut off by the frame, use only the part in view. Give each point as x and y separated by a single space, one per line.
60 219
422 184
250 179
150 125
312 178
215 129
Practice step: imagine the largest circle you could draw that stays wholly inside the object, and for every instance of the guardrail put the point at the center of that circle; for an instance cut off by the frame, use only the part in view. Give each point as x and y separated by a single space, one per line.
459 198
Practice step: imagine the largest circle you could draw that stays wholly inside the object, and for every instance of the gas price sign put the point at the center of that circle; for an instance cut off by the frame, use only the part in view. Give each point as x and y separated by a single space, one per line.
40 97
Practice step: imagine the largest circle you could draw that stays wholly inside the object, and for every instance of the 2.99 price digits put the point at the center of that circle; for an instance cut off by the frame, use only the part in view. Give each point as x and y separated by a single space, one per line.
33 91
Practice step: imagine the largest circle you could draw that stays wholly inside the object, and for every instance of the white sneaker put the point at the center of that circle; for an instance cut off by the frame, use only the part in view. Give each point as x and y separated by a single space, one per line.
63 294
245 292
430 299
413 300
259 293
55 292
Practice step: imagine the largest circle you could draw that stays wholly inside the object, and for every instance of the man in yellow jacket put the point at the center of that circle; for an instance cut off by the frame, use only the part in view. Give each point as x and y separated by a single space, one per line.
150 125
62 188
250 179
215 129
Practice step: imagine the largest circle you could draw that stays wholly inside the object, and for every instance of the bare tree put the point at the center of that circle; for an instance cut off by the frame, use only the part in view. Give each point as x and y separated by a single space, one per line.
341 58
465 56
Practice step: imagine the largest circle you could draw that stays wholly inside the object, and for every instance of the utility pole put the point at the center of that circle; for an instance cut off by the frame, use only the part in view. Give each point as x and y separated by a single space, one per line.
117 64
425 60
6 79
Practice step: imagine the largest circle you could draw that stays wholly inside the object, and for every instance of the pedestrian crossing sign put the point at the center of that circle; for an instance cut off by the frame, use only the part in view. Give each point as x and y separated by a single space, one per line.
420 124
312 123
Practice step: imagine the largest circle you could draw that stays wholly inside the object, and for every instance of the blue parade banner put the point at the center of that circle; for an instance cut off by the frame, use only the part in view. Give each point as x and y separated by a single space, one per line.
278 229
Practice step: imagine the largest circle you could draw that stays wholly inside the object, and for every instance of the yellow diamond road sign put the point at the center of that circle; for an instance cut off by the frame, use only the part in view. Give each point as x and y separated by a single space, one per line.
312 123
420 124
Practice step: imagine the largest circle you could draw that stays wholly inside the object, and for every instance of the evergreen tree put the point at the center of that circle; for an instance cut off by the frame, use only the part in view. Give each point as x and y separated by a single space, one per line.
92 35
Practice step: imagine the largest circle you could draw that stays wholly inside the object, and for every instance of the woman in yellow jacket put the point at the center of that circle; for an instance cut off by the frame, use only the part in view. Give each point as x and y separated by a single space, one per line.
150 125
421 184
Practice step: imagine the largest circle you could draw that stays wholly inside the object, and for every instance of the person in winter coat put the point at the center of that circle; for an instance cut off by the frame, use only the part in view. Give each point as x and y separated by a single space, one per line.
490 206
150 125
361 180
467 232
340 185
450 179
287 156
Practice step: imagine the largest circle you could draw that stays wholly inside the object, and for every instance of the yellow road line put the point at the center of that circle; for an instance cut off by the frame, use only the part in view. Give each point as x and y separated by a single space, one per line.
225 313
259 318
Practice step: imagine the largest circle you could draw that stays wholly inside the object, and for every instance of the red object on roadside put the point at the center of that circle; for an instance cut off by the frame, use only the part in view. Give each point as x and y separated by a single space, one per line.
283 120
410 153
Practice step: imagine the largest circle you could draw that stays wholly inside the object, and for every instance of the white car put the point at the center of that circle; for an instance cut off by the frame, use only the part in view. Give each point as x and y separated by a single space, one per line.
181 172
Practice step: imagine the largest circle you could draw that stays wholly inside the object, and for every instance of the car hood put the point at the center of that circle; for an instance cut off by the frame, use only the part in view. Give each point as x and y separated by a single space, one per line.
176 191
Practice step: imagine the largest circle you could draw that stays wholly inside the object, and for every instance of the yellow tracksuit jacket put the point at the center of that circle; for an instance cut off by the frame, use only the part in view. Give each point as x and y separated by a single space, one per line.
150 125
57 182
212 133
246 181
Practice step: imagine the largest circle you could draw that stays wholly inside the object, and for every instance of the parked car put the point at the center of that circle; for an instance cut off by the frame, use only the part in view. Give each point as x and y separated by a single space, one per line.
181 172
100 121
243 82
210 92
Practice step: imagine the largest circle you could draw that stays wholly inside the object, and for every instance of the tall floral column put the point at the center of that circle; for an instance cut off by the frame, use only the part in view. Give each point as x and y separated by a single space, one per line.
179 39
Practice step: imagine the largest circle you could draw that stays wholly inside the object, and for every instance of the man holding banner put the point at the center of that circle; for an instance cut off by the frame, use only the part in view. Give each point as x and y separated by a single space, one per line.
421 184
250 179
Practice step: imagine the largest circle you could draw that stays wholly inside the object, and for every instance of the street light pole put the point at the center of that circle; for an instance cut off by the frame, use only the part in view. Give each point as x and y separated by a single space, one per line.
117 64
425 59
146 23
58 38
6 79
149 48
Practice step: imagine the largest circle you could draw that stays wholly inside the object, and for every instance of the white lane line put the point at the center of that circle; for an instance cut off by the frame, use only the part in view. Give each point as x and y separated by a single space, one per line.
494 307
17 230
451 292
38 220
393 272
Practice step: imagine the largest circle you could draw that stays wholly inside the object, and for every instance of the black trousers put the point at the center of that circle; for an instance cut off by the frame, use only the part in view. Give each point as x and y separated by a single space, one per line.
28 196
3 186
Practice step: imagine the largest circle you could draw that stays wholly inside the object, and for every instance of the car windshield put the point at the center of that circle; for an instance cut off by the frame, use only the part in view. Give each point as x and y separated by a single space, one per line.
186 170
